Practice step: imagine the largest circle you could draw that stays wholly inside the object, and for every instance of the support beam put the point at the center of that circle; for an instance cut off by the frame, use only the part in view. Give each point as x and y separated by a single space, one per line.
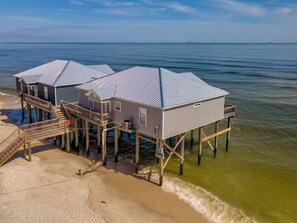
199 145
87 135
116 144
182 151
67 142
216 139
136 151
228 133
216 134
25 151
29 151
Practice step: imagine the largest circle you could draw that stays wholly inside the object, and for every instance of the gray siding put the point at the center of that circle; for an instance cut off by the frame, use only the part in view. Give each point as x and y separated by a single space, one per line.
130 111
51 93
18 84
67 93
83 99
182 119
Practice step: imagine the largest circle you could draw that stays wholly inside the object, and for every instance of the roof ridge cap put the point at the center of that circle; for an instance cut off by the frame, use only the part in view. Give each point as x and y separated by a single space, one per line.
161 88
68 61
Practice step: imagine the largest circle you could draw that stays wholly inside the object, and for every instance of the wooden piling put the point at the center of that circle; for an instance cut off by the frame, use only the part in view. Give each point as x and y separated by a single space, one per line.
216 139
192 138
98 135
63 141
29 151
29 119
199 144
22 107
161 164
35 113
67 142
181 164
87 133
104 149
228 133
25 151
116 144
76 133
136 151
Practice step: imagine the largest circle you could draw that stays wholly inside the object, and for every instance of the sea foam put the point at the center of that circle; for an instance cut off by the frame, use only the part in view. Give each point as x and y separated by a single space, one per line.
214 209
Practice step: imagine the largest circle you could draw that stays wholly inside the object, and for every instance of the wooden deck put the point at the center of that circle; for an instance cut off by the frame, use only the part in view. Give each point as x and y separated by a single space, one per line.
80 112
229 111
38 102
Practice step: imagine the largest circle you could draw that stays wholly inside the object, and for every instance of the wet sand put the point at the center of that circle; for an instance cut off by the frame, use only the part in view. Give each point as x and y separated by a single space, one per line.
48 189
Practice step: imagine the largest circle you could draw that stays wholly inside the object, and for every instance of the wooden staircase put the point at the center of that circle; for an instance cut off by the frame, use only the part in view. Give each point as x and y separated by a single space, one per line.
35 131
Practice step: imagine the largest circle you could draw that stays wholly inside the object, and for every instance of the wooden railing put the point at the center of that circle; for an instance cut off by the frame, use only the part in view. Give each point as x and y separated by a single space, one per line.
76 110
43 104
8 140
229 110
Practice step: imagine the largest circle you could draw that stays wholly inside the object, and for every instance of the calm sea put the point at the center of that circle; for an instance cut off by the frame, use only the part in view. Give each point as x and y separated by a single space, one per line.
257 179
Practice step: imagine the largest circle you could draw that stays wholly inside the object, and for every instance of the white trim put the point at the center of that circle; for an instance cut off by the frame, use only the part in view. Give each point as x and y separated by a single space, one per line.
56 103
117 104
144 112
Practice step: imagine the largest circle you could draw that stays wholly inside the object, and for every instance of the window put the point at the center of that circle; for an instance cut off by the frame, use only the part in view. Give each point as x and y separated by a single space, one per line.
117 106
45 93
35 90
107 107
142 116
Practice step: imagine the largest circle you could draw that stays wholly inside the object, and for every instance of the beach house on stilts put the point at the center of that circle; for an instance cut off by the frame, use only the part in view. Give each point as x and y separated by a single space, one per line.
156 104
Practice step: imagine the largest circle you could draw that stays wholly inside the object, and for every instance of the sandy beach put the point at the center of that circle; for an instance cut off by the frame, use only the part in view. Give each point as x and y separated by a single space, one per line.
48 189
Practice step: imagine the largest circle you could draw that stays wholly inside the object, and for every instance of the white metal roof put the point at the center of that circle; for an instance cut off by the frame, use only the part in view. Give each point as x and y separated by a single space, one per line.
63 72
102 67
31 79
156 87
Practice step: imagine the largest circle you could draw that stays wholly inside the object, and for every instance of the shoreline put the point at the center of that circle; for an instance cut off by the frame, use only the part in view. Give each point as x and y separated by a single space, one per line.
50 186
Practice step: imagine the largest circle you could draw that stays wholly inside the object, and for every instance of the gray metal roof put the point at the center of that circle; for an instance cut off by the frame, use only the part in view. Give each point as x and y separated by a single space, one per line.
103 93
103 68
31 79
156 87
62 73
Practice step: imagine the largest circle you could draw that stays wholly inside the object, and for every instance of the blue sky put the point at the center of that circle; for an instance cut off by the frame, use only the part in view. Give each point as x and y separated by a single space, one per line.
148 21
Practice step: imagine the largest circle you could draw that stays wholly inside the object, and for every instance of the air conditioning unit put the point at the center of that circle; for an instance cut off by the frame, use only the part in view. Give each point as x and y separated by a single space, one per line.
126 124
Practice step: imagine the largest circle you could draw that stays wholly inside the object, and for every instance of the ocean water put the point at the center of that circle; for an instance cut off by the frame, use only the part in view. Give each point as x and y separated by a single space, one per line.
256 180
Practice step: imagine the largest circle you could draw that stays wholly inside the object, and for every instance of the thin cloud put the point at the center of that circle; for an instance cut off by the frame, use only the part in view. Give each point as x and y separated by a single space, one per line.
77 2
284 10
180 8
117 11
242 8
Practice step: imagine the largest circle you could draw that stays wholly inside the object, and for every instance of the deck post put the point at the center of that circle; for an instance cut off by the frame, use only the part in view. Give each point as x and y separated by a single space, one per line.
43 114
67 142
157 148
199 144
192 138
228 133
29 151
161 153
83 128
181 164
87 132
98 135
29 119
104 158
216 139
76 133
136 151
116 144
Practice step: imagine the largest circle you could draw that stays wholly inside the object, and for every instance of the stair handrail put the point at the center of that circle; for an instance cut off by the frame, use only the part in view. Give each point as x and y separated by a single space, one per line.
8 140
